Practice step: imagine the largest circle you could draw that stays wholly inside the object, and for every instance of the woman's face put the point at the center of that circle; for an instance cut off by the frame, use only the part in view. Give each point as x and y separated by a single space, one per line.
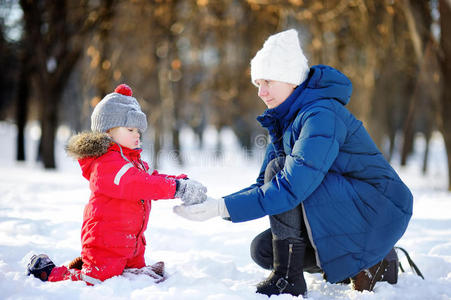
274 93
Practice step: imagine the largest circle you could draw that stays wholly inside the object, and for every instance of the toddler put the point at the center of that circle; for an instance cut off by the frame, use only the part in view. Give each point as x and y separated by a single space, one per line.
122 188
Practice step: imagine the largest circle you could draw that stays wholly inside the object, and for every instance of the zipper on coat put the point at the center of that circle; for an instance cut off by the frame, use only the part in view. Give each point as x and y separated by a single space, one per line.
290 253
138 236
135 164
309 233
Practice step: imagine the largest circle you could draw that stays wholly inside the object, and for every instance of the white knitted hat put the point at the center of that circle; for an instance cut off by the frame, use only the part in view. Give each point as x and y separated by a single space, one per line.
280 59
118 109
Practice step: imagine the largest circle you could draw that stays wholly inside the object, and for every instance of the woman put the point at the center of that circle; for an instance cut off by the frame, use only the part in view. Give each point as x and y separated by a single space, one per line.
332 198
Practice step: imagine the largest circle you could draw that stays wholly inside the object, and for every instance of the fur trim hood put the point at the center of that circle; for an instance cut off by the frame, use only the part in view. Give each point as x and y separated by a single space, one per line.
88 144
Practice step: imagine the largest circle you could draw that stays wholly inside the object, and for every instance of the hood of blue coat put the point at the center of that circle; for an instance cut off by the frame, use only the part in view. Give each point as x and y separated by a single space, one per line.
323 82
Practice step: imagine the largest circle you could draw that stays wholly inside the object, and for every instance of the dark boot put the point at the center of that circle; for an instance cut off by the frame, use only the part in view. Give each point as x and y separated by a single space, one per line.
287 276
40 266
391 269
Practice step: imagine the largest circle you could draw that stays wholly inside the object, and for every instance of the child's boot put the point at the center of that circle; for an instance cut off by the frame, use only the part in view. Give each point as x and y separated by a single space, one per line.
76 263
40 266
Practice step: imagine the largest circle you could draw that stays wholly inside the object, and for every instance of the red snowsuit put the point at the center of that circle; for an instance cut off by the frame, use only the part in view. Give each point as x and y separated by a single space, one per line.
116 216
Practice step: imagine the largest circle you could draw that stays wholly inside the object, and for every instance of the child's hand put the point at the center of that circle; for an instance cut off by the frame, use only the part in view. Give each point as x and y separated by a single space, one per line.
191 192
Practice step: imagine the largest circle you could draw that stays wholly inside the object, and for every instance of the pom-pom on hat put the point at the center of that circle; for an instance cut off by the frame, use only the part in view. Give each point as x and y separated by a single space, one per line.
118 109
280 59
124 90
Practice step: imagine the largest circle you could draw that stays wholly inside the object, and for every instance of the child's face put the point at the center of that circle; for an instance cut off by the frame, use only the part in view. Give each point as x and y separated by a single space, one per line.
274 93
125 136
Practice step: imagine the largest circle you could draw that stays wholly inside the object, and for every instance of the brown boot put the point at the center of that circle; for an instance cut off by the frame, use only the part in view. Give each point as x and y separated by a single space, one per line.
76 263
366 279
158 268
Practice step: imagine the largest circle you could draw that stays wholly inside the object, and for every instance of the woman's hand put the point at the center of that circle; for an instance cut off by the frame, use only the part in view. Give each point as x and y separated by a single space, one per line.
201 212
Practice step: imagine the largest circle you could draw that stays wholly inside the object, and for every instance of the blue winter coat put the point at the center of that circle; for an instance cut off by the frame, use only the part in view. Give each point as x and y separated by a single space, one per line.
355 206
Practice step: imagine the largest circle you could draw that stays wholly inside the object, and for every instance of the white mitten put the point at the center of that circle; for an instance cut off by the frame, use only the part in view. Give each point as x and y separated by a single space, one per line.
212 207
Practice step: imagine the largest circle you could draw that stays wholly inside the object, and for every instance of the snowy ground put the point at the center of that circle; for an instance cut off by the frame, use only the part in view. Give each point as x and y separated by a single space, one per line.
41 212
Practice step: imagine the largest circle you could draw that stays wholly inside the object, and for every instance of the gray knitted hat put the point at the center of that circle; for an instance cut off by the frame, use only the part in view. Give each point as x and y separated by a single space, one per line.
118 109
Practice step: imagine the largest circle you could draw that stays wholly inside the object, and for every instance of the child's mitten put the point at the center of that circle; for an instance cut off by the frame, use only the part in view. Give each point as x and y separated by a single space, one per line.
190 191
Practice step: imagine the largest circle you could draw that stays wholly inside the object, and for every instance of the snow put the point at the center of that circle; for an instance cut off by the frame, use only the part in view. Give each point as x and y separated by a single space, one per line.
41 212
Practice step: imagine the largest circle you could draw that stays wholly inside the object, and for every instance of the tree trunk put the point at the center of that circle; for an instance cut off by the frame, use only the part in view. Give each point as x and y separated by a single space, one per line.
427 134
103 79
407 145
157 145
178 98
23 94
176 126
445 43
62 43
418 19
49 123
167 54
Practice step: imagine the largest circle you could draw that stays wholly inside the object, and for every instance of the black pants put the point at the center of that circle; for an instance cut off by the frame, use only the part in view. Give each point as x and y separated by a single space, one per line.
287 225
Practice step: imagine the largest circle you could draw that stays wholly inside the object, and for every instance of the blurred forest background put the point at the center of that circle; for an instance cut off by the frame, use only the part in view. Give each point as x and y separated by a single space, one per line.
188 63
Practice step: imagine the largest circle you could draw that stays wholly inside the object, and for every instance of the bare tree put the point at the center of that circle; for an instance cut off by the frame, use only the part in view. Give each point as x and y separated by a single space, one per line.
445 46
418 16
57 30
22 101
